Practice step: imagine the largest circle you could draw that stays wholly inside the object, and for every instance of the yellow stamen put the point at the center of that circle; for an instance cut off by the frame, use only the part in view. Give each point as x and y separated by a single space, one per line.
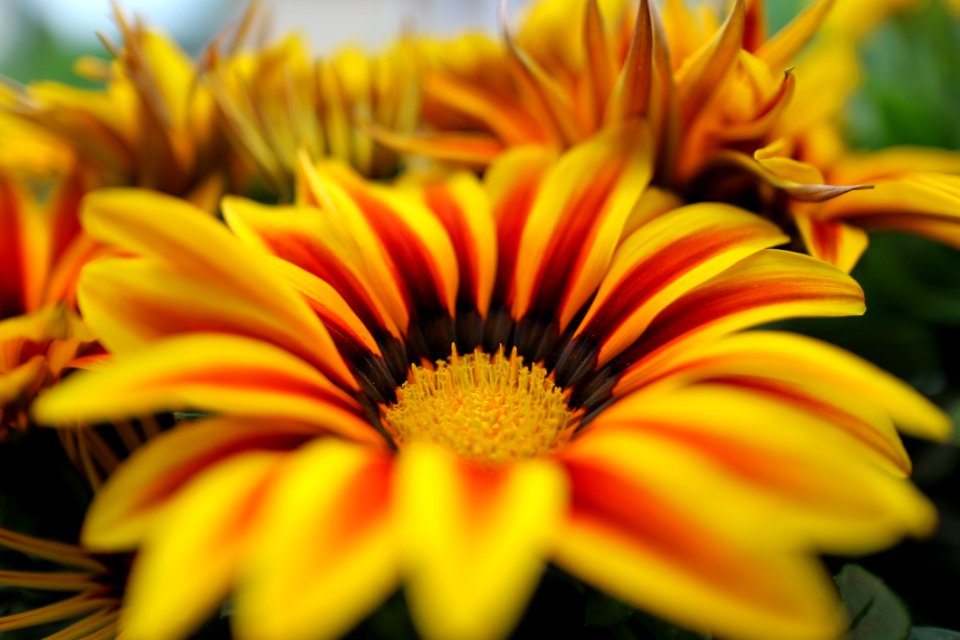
486 408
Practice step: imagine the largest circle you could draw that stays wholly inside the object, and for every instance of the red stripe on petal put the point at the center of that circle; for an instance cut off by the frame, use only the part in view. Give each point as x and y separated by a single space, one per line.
445 207
412 262
310 255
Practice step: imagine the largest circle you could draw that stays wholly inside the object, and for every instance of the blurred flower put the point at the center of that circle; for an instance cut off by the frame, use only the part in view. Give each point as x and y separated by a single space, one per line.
448 383
151 125
42 249
97 582
277 100
734 122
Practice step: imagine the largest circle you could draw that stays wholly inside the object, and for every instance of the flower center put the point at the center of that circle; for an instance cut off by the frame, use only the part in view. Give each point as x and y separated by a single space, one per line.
486 408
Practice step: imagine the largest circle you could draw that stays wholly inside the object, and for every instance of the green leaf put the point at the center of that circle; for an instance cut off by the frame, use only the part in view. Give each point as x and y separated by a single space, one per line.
932 633
876 613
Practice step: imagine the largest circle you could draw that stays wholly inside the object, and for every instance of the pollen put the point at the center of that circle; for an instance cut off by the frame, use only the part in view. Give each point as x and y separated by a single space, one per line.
490 409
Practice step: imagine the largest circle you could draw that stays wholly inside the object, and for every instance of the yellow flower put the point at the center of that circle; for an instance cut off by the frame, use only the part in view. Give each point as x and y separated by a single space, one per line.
151 125
96 583
277 101
735 123
447 384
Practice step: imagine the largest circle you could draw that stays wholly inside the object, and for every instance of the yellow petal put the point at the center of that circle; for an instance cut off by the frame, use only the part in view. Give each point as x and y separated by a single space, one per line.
817 365
212 372
474 539
769 285
332 505
576 220
188 241
833 242
701 74
21 380
204 533
664 260
319 244
675 568
129 506
826 492
462 206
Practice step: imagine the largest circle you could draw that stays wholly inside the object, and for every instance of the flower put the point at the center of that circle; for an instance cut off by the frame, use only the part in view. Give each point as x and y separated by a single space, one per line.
277 100
151 125
446 384
741 117
42 336
90 614
41 251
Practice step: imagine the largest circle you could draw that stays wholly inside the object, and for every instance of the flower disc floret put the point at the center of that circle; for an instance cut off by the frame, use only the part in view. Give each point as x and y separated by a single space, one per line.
488 408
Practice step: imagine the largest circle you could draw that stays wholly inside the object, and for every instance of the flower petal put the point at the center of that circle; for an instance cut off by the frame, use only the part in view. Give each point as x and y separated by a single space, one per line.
188 242
767 286
700 74
662 261
816 367
462 206
576 220
128 506
211 372
780 50
474 539
320 244
628 541
833 242
827 494
331 504
206 529
926 204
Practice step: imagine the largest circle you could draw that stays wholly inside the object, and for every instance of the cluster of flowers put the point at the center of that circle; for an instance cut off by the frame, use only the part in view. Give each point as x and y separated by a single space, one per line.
437 317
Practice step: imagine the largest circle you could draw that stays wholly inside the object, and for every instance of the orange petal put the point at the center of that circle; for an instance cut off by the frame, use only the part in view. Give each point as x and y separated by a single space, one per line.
701 74
922 203
462 206
513 183
781 49
314 241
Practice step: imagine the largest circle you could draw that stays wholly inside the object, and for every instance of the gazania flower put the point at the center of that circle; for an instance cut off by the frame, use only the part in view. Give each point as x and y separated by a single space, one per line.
151 125
446 385
277 100
42 250
735 123
93 588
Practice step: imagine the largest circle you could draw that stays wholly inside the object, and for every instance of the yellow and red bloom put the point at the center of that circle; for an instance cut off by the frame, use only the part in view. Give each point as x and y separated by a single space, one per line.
94 580
152 125
446 384
734 122
42 249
